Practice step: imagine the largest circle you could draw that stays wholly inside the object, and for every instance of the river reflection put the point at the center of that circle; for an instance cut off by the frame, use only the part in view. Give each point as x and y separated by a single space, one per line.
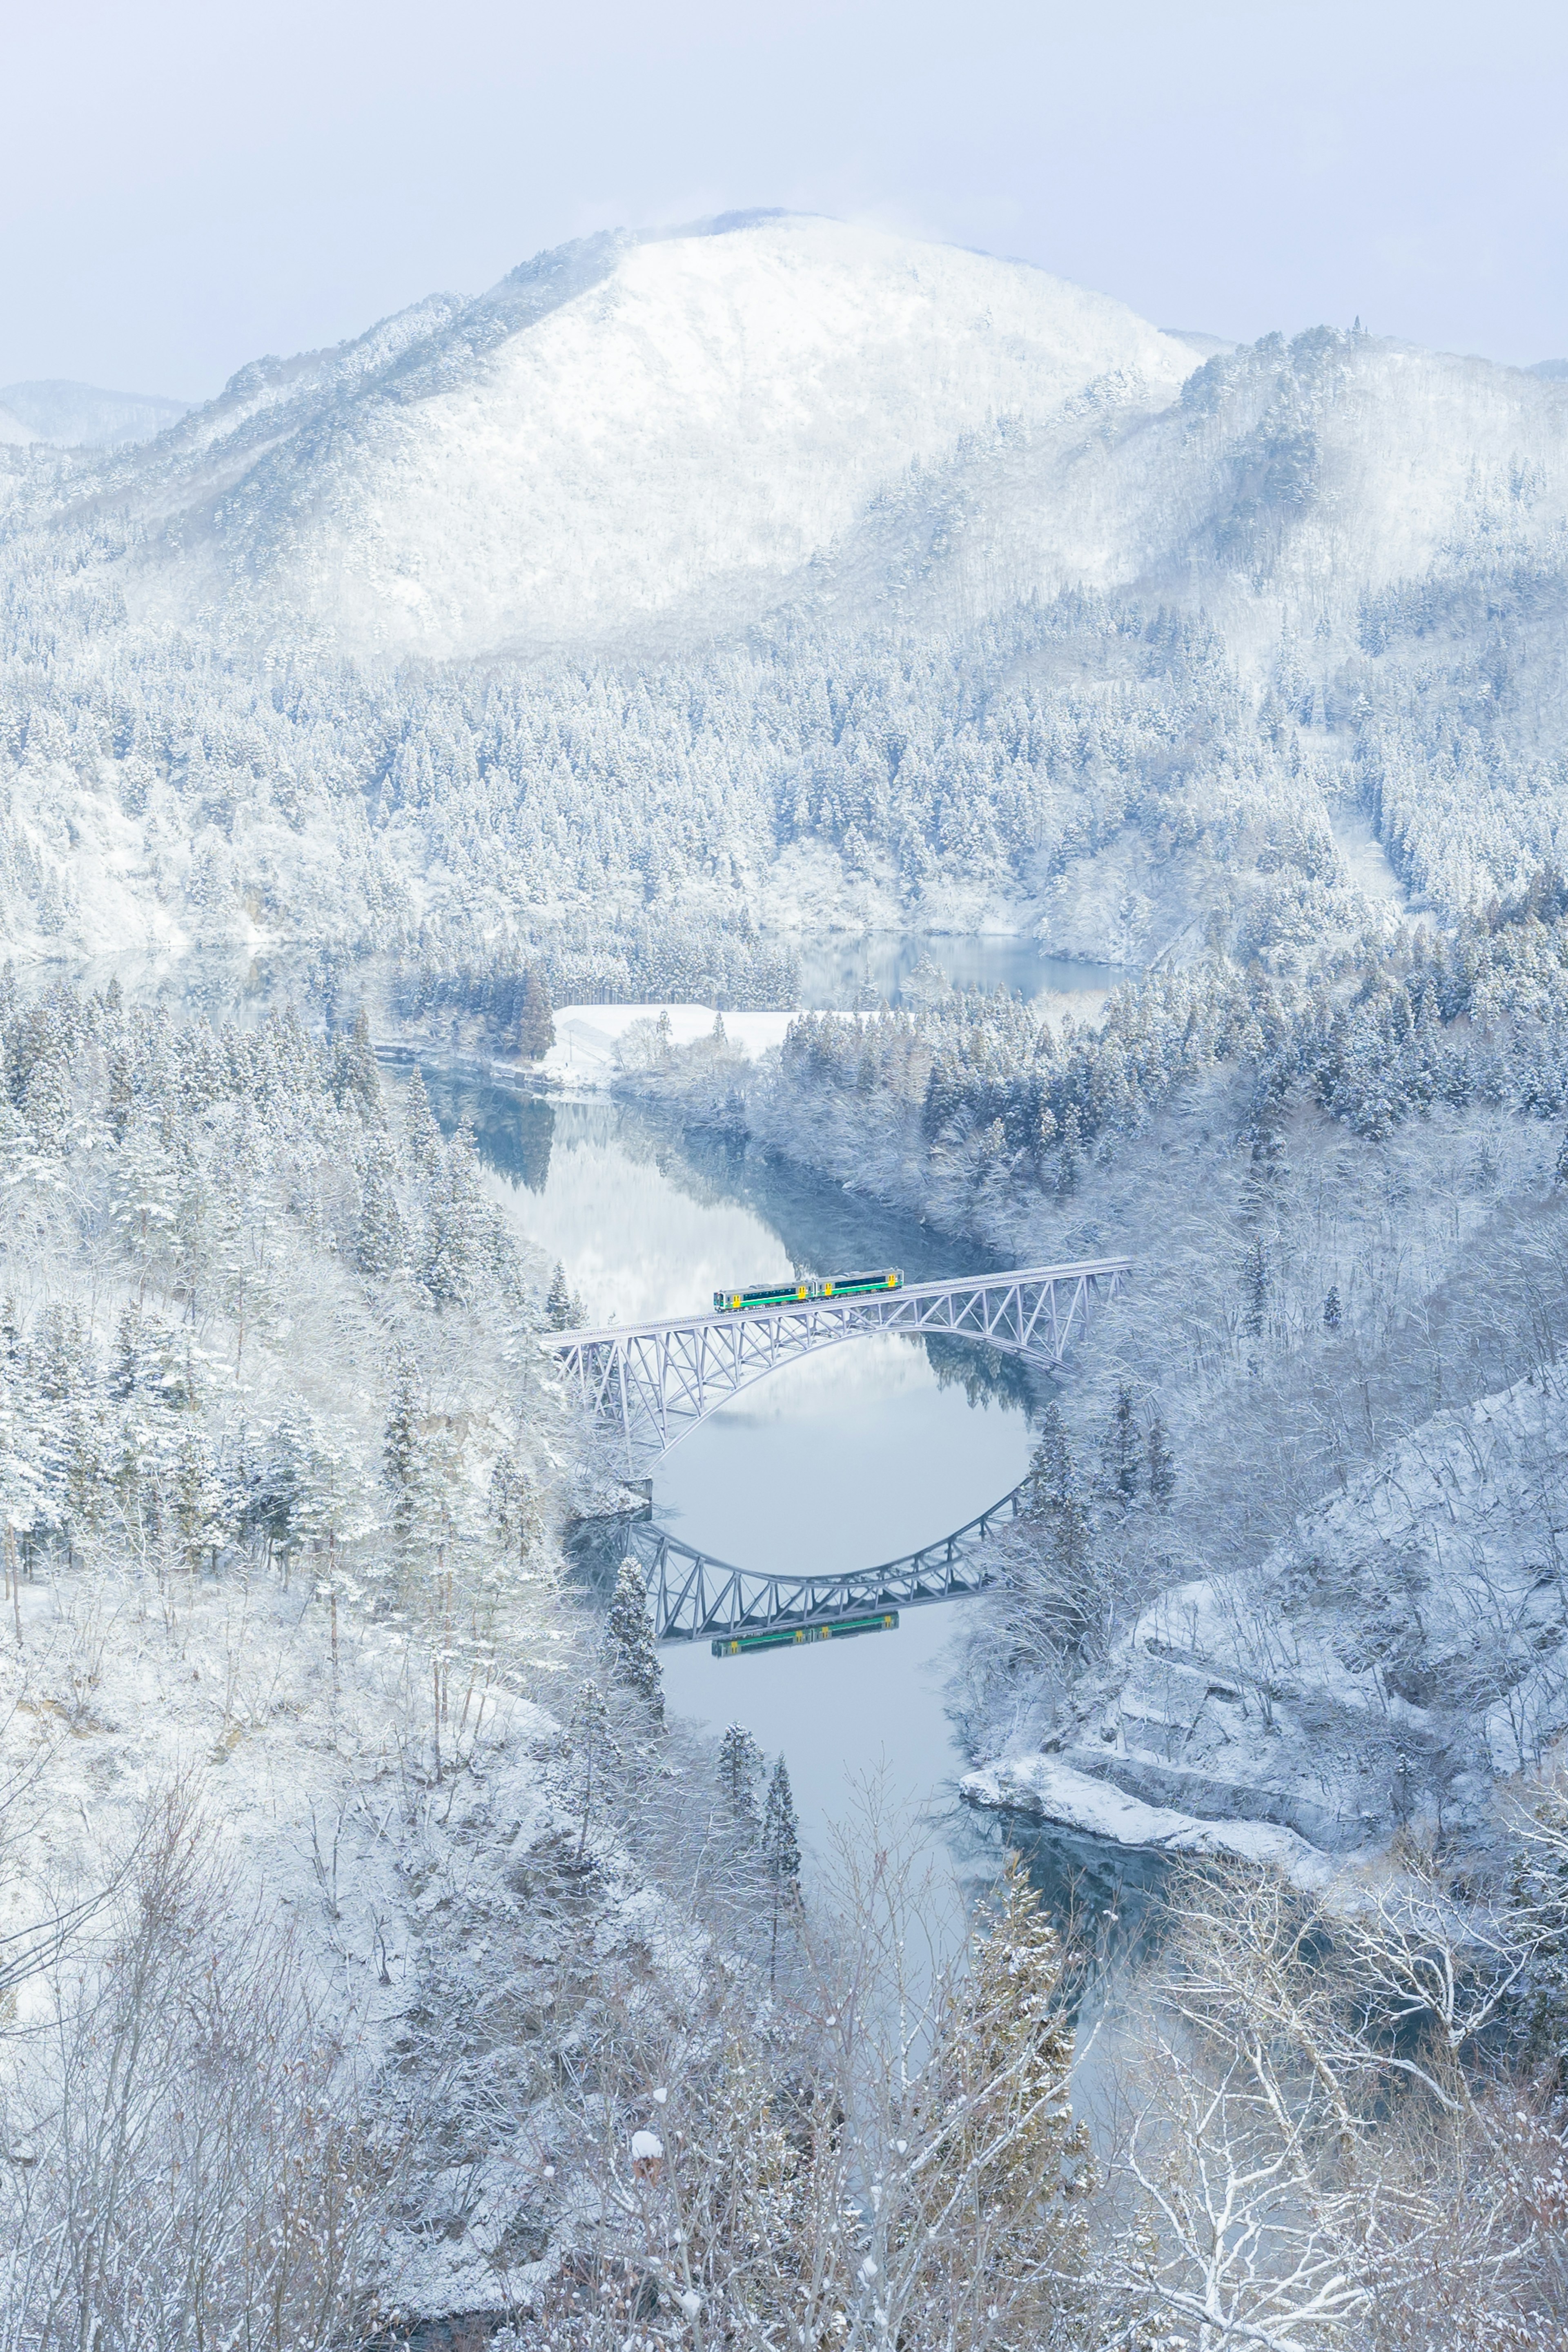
843 1460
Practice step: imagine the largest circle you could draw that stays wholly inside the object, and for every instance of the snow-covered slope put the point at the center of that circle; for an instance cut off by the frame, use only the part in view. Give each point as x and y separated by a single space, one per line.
685 430
1407 1645
837 577
680 435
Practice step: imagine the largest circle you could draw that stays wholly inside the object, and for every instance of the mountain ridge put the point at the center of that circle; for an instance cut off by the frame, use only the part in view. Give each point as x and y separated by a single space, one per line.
796 568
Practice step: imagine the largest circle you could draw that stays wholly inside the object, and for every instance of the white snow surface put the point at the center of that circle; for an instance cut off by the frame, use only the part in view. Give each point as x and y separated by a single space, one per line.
1076 1801
677 432
713 416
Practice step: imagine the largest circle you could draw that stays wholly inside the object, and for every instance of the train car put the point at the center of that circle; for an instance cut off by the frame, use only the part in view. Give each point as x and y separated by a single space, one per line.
762 1293
796 1293
860 1285
741 1645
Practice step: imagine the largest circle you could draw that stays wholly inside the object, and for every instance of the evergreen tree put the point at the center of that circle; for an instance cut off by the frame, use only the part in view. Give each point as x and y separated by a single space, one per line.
1254 1283
1162 1463
1560 1173
420 1131
514 1513
1333 1315
356 1077
535 1026
996 2103
631 1653
781 1831
380 1243
740 1766
454 1224
1056 1587
198 1514
1122 1449
1070 1158
592 1747
780 1855
562 1310
127 1366
400 1445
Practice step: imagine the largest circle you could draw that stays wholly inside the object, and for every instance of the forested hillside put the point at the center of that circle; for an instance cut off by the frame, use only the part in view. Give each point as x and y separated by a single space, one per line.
1088 639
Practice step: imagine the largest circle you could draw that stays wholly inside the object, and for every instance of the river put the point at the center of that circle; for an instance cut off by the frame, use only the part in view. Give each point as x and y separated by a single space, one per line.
847 1458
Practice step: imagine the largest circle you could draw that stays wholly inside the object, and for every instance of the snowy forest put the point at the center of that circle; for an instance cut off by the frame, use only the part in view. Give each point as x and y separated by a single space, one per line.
385 1962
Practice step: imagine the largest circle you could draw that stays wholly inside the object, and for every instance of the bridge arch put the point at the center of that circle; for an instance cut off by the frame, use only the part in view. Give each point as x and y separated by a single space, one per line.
694 1597
653 1383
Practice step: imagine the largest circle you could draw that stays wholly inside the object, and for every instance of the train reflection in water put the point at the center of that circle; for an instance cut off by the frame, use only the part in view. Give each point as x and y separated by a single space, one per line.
803 1287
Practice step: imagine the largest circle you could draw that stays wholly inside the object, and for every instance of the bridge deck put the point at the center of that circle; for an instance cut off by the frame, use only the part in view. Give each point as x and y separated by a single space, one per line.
563 1342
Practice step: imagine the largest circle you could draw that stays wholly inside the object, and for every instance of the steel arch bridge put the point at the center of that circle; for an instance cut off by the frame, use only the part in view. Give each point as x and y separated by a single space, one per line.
693 1597
653 1382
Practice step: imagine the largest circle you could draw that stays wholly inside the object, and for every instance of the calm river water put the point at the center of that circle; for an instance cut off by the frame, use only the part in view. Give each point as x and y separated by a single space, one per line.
848 1458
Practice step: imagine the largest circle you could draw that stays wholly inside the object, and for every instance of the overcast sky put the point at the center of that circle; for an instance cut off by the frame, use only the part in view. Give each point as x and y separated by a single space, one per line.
185 186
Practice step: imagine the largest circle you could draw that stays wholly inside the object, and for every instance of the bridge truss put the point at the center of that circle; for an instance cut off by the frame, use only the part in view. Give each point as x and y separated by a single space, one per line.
653 1382
694 1598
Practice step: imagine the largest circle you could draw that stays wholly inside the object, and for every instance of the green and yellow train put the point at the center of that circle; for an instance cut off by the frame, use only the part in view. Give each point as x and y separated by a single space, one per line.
800 1288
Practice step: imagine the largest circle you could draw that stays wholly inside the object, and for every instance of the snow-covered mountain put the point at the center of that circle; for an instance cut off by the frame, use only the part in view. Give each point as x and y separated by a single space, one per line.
792 566
687 430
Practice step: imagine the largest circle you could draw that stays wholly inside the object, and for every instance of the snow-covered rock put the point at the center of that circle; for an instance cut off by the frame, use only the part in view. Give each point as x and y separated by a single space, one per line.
1054 1793
1407 1645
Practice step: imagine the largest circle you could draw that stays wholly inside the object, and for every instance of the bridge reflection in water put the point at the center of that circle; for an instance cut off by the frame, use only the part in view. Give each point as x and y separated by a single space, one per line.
695 1598
653 1382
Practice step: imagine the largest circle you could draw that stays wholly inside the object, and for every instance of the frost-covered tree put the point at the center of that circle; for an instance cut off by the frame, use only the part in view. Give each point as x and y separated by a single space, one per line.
781 1856
1160 1463
535 1025
1123 1465
741 1768
563 1308
381 1241
421 1135
631 1654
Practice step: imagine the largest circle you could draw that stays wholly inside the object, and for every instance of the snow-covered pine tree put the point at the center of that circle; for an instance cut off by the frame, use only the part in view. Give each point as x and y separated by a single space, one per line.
562 1310
1122 1449
380 1243
1160 1463
535 1025
1333 1313
454 1223
355 1078
420 1132
740 1766
781 1856
400 1446
630 1651
1255 1284
1055 1603
514 1513
1010 2227
592 1746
